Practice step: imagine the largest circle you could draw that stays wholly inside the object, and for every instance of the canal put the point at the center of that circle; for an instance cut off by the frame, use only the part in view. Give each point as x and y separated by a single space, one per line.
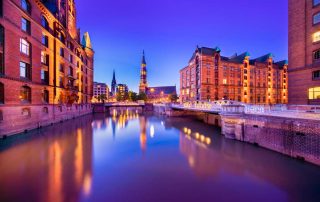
146 158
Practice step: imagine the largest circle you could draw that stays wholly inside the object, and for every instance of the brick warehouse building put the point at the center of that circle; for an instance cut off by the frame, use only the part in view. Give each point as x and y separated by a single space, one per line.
42 60
211 76
304 52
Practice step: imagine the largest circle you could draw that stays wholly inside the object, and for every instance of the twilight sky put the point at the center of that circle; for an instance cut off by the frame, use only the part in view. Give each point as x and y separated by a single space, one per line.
169 31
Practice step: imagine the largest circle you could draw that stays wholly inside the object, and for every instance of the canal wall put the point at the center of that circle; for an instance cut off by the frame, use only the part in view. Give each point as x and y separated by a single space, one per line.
18 119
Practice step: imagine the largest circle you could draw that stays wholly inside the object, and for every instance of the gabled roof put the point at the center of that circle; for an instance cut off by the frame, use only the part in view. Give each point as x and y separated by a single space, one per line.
264 58
159 89
239 58
205 51
282 63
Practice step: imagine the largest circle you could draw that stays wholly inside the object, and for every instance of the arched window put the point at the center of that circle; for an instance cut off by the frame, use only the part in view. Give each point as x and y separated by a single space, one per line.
1 93
44 22
25 94
25 5
45 96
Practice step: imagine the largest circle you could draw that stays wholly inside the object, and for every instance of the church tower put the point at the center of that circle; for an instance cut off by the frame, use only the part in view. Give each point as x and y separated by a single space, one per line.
113 84
143 76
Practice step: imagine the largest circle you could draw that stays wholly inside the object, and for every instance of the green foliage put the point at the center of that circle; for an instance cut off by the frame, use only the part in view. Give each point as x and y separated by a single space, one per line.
133 96
173 97
142 96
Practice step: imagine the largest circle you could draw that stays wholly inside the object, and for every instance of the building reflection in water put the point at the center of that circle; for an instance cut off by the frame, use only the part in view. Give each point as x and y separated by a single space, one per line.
143 133
58 164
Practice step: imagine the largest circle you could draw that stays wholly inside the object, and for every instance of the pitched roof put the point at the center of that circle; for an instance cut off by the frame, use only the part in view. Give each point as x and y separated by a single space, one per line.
264 58
159 89
239 58
205 51
282 63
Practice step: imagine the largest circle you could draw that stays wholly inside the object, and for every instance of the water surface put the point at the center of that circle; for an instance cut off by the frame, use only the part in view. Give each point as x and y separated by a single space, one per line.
146 158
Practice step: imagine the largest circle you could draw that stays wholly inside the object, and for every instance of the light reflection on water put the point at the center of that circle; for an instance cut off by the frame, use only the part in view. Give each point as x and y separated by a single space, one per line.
130 157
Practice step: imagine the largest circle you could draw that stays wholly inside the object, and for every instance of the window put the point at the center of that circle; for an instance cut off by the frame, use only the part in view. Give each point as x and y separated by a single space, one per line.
1 93
45 96
314 93
45 41
316 2
1 8
316 37
1 50
71 58
25 25
70 71
44 77
25 94
224 81
316 75
61 68
316 54
24 47
25 70
316 18
44 22
61 52
25 5
62 38
44 58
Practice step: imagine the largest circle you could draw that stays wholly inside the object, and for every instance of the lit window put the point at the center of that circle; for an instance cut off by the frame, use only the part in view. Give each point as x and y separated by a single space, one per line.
25 94
224 81
316 37
316 18
24 47
314 93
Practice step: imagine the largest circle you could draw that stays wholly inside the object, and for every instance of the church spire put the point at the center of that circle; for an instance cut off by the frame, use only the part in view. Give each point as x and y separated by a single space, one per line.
113 83
143 75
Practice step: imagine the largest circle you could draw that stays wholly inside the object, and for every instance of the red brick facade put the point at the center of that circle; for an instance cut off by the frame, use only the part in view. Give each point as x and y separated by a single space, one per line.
211 76
304 50
59 68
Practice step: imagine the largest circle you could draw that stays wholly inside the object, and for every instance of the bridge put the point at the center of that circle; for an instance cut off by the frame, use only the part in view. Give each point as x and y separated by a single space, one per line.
122 107
228 106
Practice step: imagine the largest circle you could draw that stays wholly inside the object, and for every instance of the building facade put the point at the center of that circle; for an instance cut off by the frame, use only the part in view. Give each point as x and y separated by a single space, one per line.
210 76
42 59
100 90
304 52
161 94
122 91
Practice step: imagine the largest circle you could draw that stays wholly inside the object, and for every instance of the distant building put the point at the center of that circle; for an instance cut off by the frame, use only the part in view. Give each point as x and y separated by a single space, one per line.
161 94
304 52
210 76
100 89
143 76
122 90
154 94
113 84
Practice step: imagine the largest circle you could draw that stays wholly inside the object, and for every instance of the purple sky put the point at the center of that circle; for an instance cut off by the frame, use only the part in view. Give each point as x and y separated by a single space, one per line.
169 31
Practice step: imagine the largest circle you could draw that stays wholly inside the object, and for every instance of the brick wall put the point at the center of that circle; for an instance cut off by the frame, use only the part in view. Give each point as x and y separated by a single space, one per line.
17 119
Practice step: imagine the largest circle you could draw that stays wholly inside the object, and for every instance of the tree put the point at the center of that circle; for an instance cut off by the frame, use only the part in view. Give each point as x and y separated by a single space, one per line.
173 97
142 96
133 96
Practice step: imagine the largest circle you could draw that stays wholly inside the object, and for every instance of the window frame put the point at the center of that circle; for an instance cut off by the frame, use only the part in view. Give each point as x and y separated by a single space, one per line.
26 6
313 18
25 47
